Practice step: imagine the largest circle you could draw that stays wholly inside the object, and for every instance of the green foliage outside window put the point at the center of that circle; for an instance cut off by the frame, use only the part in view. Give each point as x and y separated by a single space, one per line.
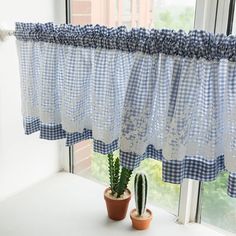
175 18
217 207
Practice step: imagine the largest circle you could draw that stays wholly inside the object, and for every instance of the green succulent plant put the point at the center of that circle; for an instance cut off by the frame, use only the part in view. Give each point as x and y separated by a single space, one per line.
119 176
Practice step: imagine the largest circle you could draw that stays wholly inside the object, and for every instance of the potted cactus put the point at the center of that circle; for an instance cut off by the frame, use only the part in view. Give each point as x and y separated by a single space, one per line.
117 196
141 217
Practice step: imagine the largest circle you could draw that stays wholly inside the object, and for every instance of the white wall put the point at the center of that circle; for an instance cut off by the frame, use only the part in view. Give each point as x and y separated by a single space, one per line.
24 160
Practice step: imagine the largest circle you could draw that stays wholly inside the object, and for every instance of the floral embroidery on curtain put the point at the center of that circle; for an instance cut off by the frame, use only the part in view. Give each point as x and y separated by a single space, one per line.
156 94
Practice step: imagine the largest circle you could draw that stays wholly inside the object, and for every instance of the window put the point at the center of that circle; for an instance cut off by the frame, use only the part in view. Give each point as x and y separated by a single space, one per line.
217 16
174 14
135 13
132 13
218 208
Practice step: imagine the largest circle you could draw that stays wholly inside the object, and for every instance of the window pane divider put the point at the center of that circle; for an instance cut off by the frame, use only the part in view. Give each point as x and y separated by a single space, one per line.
189 202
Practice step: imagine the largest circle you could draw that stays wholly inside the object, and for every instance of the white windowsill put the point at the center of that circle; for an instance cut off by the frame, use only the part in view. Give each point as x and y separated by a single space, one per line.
69 205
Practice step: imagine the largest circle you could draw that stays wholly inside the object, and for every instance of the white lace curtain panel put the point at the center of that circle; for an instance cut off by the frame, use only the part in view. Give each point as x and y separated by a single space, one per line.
156 94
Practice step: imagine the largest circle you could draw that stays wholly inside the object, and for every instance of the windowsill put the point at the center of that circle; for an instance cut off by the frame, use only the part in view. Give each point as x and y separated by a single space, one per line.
69 205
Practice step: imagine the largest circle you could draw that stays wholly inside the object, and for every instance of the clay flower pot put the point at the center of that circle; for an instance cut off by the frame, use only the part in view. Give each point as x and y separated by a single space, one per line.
117 207
140 223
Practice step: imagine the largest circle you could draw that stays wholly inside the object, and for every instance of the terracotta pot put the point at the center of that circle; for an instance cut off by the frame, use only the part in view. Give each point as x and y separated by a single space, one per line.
140 223
117 208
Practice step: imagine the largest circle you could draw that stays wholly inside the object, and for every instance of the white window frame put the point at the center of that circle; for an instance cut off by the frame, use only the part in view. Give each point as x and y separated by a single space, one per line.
222 17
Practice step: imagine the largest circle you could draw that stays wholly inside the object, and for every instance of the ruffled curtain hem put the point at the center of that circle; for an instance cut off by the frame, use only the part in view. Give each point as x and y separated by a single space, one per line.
173 171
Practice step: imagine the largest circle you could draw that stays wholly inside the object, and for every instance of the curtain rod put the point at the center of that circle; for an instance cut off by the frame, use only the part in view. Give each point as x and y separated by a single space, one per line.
5 34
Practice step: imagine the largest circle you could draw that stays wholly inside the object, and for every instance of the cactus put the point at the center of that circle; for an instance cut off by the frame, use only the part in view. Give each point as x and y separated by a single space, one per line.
140 191
118 179
116 175
124 180
111 170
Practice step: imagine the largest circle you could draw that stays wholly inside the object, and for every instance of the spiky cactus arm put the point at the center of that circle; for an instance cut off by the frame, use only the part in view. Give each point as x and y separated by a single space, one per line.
140 191
124 180
111 170
116 175
128 176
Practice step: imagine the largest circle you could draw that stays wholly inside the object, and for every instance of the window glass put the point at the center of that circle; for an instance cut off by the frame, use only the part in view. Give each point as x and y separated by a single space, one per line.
132 13
174 14
135 13
217 207
234 22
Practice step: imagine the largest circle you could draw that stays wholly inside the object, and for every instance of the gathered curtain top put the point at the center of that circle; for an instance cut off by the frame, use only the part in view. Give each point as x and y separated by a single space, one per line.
195 44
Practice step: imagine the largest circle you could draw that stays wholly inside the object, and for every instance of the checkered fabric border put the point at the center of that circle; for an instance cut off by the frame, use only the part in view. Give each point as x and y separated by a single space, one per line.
132 160
55 132
175 171
192 168
47 131
98 146
232 185
101 147
31 125
73 138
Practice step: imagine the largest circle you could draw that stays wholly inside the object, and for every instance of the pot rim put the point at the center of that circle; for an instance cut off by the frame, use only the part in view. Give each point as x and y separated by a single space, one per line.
141 218
117 199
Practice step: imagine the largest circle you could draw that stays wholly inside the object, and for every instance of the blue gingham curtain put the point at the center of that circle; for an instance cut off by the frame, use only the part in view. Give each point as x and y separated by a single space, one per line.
149 93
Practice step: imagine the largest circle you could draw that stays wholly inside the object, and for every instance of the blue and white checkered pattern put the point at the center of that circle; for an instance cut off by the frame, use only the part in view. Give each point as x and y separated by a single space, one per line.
175 171
103 148
232 185
55 132
135 91
196 168
98 146
73 138
47 131
195 44
31 125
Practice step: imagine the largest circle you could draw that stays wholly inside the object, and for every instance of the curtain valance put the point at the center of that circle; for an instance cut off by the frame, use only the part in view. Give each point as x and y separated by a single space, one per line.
151 93
195 44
